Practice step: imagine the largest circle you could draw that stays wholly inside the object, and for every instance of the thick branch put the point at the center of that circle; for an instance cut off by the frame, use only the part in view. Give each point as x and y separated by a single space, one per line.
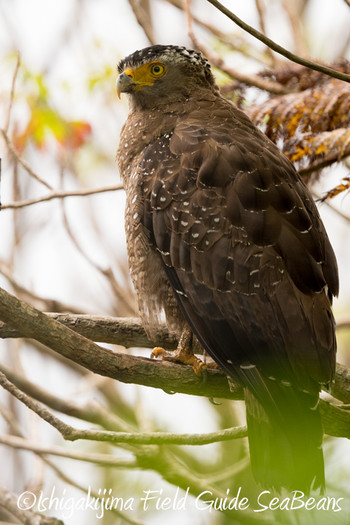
125 331
31 323
126 368
129 332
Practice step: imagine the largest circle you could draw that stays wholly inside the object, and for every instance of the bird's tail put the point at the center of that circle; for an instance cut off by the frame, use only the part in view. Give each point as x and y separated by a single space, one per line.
286 446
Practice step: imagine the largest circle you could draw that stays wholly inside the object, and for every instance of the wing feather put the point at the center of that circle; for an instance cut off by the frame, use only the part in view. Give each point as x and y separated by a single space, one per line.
243 243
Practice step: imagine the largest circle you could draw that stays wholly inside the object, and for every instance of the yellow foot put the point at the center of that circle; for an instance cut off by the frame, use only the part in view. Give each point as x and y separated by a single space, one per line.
183 354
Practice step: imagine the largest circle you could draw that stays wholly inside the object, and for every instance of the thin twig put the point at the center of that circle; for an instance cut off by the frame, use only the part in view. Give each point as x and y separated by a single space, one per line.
218 62
279 49
142 14
261 14
321 164
238 45
12 92
332 207
292 9
87 490
9 502
226 473
21 161
40 452
147 438
61 195
44 302
113 285
92 411
108 460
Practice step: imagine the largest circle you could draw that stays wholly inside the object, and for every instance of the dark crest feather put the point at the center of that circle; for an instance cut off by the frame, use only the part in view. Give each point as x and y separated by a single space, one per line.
170 52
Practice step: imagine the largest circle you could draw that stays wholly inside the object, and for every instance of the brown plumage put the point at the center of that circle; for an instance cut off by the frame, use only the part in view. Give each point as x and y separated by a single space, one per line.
223 235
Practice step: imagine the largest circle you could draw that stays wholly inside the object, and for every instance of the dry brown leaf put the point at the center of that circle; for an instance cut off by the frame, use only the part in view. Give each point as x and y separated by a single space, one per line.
312 124
318 109
324 147
343 186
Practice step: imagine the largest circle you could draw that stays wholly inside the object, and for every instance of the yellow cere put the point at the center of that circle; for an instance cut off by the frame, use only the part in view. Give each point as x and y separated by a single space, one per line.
146 74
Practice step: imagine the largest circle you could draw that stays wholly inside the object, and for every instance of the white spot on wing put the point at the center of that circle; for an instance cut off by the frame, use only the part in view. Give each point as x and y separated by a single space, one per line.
248 366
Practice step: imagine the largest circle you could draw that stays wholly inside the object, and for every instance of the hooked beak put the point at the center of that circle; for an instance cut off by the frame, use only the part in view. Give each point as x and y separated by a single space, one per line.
124 83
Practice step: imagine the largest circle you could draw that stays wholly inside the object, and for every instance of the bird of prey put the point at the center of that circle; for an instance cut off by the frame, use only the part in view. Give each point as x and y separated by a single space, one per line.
225 242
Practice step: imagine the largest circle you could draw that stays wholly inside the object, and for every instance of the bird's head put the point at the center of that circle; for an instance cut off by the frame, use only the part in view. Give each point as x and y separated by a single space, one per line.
157 72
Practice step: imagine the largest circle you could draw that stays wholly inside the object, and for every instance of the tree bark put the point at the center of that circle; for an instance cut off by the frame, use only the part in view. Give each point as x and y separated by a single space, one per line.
66 335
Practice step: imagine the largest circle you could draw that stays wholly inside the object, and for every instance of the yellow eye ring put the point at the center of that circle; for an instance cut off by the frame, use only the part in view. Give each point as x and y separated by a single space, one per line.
157 70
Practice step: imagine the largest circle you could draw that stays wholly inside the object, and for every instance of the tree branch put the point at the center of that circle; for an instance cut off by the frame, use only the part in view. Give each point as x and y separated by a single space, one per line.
60 195
92 411
10 502
279 49
125 331
12 92
321 164
23 444
22 162
142 14
126 368
108 460
233 41
250 80
139 370
135 438
44 303
331 206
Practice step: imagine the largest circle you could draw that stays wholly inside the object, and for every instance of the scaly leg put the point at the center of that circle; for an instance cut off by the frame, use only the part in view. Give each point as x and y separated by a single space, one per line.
183 354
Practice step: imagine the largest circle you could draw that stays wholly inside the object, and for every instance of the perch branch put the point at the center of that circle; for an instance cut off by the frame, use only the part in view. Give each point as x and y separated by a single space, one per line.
126 368
125 331
140 370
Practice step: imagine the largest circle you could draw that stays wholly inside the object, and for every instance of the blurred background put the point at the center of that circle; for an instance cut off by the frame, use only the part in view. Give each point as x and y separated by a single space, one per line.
60 121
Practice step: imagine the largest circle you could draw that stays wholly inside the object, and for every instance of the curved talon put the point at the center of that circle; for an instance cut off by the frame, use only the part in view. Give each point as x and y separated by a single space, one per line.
183 354
199 368
213 402
158 351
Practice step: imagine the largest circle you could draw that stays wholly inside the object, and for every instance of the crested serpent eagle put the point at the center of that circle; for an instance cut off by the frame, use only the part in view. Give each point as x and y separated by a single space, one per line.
224 240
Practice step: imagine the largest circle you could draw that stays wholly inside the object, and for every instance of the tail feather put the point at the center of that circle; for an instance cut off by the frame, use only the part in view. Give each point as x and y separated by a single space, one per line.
286 447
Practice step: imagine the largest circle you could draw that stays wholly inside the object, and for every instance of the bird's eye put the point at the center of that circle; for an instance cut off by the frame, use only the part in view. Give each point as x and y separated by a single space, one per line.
157 70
